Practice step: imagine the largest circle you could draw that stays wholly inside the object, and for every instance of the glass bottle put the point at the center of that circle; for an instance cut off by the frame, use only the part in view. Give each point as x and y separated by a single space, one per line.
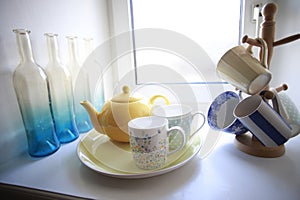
98 97
88 47
32 90
81 89
61 93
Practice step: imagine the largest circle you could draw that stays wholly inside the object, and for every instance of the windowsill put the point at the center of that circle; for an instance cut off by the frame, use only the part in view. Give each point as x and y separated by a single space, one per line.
224 173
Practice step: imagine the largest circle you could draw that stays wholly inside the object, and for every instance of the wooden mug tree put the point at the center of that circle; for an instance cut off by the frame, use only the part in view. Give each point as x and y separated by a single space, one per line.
248 143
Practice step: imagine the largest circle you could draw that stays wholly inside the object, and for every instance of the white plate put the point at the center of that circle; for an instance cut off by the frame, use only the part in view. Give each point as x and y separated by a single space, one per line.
88 153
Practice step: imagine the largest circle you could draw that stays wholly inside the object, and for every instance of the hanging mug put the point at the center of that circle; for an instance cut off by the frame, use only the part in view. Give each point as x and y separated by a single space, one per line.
220 114
287 109
238 67
263 121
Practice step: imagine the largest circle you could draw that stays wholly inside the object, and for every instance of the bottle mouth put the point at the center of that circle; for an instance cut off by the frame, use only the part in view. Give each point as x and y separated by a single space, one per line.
51 34
71 37
21 31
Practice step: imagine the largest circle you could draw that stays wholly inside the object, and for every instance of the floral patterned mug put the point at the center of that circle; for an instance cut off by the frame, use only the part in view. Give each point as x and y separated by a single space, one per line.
149 141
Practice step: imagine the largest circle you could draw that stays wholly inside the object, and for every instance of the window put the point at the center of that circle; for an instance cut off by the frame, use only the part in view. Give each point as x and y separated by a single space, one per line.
174 42
183 37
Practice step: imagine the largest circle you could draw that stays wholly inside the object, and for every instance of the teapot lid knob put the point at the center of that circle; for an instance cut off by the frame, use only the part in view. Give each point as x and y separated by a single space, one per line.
126 89
124 97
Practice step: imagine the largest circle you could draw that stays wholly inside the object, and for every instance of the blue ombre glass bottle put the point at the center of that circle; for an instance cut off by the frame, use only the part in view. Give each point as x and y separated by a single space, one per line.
32 91
61 93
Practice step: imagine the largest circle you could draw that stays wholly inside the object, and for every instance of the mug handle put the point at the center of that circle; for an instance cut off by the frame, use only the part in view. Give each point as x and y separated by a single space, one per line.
198 113
181 131
264 51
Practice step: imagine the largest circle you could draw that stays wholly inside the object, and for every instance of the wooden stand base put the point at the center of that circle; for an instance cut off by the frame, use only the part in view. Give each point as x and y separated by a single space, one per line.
247 143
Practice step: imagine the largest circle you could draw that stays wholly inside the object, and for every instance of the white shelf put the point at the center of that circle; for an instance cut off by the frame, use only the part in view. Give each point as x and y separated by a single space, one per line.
226 173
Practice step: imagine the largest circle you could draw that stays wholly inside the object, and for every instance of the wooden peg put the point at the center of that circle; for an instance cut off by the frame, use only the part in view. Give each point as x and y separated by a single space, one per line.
268 95
287 40
251 41
282 88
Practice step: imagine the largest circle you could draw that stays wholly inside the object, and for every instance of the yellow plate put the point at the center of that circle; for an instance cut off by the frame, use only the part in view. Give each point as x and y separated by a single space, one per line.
99 153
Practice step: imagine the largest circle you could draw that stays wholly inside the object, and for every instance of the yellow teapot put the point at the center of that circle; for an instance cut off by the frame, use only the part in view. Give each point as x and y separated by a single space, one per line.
117 112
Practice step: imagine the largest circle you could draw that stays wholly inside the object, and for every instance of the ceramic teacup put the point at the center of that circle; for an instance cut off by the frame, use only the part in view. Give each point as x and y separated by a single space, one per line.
238 67
220 114
180 115
149 141
263 121
288 110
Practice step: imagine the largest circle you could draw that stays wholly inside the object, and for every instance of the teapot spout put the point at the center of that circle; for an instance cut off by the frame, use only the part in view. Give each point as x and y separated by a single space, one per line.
93 113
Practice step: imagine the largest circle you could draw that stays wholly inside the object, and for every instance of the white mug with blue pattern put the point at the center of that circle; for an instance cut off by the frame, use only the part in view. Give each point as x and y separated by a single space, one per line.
263 121
220 114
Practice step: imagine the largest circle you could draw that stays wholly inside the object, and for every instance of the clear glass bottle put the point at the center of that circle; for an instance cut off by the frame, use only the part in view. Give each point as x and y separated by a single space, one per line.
81 89
32 90
61 93
88 47
98 98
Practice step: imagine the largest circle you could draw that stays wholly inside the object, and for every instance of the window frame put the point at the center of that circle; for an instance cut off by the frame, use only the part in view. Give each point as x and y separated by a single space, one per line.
122 21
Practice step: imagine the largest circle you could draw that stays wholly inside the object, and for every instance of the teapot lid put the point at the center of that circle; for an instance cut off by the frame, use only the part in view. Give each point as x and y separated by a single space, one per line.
124 97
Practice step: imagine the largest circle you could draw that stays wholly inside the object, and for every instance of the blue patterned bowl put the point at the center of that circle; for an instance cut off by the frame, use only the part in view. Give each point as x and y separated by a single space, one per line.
220 114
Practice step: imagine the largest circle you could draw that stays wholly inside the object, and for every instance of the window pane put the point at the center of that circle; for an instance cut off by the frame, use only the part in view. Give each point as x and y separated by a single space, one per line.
196 34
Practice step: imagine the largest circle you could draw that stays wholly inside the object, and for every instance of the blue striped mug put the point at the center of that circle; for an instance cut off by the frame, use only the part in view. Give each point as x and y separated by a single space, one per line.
263 121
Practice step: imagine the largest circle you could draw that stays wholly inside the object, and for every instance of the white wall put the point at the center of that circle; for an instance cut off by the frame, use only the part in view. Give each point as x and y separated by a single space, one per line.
285 64
86 18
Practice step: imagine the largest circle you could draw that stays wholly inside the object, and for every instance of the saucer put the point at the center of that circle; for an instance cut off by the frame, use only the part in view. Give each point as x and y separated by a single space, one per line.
100 154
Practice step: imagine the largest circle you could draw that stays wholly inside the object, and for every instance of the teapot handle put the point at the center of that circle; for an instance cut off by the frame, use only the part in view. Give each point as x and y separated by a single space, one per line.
153 98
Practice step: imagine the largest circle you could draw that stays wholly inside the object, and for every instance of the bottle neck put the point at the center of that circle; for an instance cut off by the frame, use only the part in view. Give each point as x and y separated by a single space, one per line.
24 45
72 48
88 46
52 45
